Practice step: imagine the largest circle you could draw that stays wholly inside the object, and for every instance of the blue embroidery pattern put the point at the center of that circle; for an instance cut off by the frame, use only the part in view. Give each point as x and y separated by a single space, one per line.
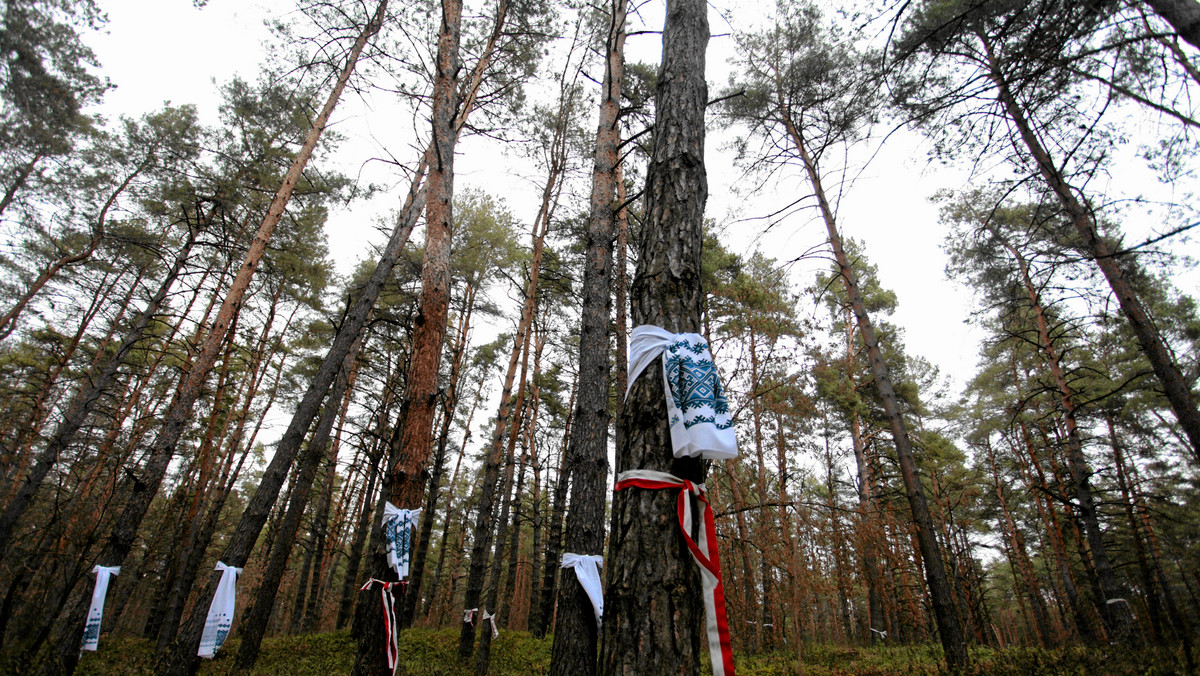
695 385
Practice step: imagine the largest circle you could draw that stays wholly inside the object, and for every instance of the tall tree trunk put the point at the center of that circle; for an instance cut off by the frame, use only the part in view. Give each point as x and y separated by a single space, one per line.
941 596
1175 387
544 614
575 632
1080 471
483 527
258 613
502 524
653 607
1020 559
312 610
449 404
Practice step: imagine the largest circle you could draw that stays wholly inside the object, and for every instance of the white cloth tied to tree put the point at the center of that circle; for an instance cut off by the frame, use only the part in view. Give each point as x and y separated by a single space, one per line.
91 630
220 612
398 525
469 616
491 619
587 570
696 406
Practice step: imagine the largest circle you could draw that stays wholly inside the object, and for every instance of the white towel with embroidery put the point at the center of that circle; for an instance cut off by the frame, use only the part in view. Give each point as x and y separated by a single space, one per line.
587 569
398 525
220 612
696 406
91 630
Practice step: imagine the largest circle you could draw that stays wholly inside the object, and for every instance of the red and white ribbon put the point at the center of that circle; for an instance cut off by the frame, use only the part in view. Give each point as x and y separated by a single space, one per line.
704 552
469 616
389 619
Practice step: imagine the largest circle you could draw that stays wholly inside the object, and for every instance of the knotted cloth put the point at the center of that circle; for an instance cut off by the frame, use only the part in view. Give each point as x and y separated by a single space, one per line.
491 619
91 630
398 525
588 572
389 619
704 552
696 406
220 612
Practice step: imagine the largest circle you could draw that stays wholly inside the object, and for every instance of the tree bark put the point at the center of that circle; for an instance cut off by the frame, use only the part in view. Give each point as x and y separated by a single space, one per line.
941 595
575 632
1184 17
653 607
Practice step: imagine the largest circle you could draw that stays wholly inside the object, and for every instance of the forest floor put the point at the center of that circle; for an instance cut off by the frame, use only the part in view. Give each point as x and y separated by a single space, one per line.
428 652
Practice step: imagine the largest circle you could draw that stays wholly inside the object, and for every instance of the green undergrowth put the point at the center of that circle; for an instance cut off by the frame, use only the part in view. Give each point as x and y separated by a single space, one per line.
432 652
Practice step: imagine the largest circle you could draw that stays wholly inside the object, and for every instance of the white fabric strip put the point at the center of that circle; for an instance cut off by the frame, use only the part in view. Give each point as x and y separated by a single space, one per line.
220 612
398 525
697 410
587 570
491 619
91 630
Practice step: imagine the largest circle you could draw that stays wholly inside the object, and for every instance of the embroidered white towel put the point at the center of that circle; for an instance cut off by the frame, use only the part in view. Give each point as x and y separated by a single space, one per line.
91 630
587 570
398 525
696 406
220 612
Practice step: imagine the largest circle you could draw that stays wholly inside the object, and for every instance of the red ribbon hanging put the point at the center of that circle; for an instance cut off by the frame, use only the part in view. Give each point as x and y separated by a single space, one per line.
704 552
389 619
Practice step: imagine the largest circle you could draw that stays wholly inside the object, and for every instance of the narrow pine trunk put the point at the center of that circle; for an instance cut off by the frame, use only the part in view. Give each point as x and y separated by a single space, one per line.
1175 387
941 596
575 632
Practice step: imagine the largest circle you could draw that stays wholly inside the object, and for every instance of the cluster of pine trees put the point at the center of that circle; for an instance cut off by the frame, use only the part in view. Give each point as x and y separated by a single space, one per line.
186 380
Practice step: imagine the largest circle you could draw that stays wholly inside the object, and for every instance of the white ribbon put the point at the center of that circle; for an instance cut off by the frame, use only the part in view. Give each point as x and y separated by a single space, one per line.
397 530
220 612
587 570
488 617
696 406
91 630
469 616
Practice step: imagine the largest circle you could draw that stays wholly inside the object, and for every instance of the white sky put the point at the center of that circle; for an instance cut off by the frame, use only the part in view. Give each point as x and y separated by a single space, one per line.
167 50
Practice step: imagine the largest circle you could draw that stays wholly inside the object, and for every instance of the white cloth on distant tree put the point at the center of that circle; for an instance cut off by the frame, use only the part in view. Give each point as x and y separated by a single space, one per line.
697 410
95 616
587 570
220 612
490 618
398 525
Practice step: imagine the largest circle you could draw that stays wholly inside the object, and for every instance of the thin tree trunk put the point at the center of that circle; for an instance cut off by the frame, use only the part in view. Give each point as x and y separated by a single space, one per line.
258 614
483 524
575 632
85 398
1175 387
941 596
544 615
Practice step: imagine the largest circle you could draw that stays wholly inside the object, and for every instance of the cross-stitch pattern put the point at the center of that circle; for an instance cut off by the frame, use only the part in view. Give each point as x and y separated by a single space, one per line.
695 385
